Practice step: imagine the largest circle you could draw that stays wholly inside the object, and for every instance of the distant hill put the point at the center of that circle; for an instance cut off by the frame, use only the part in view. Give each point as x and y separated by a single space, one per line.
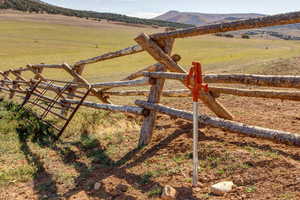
38 6
203 18
286 32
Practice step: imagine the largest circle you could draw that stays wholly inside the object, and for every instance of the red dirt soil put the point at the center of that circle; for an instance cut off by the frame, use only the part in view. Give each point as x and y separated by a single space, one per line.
259 168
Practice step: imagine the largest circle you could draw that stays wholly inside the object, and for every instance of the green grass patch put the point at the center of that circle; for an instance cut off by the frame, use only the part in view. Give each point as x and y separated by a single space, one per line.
250 189
27 152
155 192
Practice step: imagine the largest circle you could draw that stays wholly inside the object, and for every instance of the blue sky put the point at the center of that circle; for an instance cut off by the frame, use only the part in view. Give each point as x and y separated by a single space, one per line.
151 8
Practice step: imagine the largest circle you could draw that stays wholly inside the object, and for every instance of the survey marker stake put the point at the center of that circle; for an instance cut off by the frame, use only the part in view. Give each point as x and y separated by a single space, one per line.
194 82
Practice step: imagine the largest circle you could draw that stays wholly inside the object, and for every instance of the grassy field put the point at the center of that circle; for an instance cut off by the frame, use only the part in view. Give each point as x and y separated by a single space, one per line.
24 42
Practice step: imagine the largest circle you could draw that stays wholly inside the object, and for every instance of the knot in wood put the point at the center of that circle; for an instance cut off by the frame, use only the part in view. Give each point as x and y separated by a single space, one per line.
152 81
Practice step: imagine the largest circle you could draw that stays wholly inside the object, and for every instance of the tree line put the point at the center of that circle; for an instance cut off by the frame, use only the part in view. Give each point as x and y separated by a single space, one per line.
35 6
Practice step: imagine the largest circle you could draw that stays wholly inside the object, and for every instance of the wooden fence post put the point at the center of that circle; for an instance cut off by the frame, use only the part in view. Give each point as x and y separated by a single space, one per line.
16 84
39 72
72 90
154 96
157 53
85 82
12 92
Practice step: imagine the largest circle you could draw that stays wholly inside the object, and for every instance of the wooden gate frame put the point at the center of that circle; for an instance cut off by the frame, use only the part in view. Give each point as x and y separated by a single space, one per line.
32 92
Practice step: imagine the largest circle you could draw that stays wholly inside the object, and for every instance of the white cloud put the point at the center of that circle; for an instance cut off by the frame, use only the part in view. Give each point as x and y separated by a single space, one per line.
147 15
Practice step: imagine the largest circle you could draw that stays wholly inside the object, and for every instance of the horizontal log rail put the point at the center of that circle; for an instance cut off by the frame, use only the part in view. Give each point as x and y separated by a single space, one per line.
54 66
15 82
47 99
43 98
109 107
151 68
20 70
50 111
12 90
128 93
79 78
248 79
123 52
273 94
176 58
57 89
52 87
254 131
74 84
281 19
165 93
130 83
73 95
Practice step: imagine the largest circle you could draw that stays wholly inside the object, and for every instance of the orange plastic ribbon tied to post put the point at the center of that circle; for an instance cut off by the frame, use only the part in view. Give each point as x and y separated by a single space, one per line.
194 81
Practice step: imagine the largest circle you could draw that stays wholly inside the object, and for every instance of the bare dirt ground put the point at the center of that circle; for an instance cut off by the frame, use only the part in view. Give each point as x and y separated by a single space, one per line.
260 169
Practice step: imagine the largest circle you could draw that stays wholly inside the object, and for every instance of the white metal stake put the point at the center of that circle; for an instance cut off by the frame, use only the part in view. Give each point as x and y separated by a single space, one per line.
195 144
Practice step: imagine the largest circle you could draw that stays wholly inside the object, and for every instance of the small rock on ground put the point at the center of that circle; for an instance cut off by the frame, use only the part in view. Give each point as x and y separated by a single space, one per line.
81 195
97 186
169 193
122 188
222 188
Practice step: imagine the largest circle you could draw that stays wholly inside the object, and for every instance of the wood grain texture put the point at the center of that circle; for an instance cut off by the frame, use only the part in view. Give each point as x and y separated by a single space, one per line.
54 66
130 83
151 68
84 81
273 94
5 75
255 131
50 111
157 53
155 94
72 90
248 79
110 107
18 79
123 52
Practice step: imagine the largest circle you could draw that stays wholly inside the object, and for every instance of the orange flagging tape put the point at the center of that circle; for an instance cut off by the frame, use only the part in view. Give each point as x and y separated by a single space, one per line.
194 81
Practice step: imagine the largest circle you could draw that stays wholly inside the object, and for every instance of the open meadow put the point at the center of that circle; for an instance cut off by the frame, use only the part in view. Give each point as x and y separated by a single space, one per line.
97 158
58 39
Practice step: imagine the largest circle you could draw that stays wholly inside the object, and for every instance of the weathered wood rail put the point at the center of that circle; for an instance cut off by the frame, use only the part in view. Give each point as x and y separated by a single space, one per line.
160 46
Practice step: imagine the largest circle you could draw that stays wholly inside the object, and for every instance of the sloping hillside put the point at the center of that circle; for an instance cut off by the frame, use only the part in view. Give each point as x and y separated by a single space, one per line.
41 7
286 32
203 18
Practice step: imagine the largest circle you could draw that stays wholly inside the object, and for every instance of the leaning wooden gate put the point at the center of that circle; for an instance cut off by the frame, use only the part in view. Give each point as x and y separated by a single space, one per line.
51 106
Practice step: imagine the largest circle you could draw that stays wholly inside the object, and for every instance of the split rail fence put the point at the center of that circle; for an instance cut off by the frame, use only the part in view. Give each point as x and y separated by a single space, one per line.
159 46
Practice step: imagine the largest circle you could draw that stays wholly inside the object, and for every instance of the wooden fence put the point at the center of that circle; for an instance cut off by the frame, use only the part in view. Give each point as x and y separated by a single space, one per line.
159 46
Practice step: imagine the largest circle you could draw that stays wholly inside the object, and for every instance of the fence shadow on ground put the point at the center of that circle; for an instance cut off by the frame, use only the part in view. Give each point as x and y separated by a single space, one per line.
103 166
32 129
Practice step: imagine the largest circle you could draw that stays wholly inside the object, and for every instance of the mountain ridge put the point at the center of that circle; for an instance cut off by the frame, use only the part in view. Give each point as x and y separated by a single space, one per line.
199 19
